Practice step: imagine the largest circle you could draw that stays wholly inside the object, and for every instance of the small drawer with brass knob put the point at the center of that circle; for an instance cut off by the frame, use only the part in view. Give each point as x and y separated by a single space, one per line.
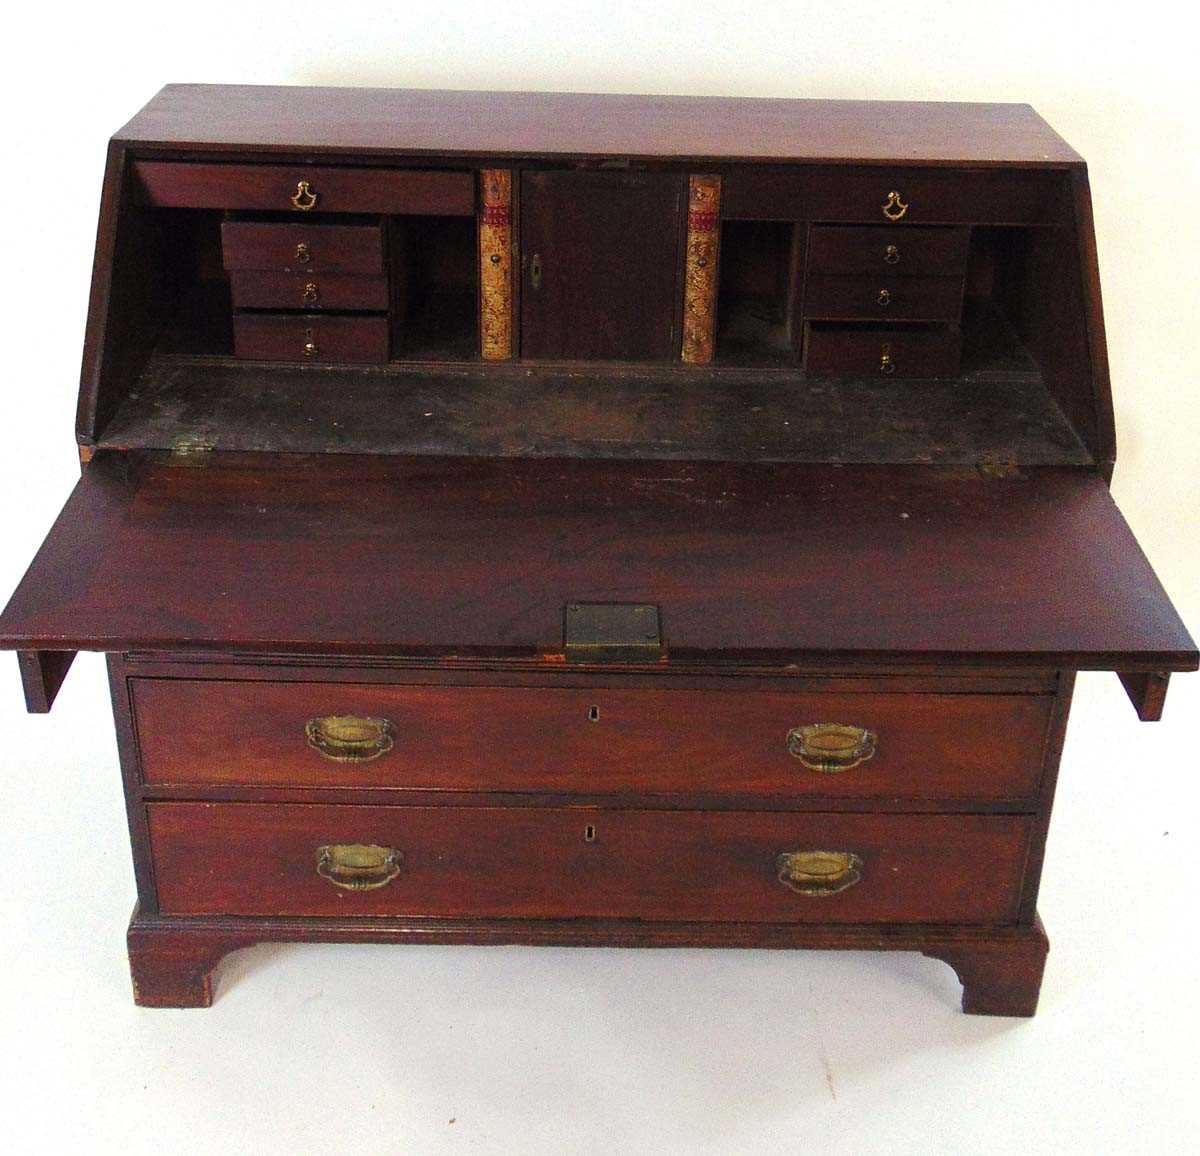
303 247
833 298
904 251
271 289
311 337
849 350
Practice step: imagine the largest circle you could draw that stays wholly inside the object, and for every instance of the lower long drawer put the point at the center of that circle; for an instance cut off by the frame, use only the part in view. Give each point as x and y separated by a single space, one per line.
317 860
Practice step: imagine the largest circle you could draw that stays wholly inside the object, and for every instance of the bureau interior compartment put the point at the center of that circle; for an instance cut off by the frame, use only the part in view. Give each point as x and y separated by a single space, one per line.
1007 378
759 272
426 291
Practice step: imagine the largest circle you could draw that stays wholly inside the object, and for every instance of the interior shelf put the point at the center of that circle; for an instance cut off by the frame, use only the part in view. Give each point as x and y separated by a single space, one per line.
519 411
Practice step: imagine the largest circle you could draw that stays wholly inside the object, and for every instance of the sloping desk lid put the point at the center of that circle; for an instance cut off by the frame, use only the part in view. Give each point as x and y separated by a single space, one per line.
807 564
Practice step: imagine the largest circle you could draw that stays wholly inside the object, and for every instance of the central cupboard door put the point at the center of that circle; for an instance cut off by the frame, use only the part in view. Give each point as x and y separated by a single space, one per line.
601 260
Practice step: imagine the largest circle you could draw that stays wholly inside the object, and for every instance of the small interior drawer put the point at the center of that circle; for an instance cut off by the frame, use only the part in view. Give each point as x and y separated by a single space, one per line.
303 248
883 298
558 862
267 289
883 250
304 188
871 350
974 747
312 337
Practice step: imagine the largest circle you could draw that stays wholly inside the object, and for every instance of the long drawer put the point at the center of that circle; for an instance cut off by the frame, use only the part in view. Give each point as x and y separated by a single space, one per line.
307 860
304 188
591 741
894 197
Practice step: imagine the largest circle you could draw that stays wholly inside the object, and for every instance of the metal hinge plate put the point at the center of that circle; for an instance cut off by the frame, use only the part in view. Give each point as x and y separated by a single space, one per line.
612 632
191 450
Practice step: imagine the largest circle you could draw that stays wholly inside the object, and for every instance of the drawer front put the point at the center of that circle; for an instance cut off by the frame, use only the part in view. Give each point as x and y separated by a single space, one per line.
923 196
291 859
302 248
304 188
885 250
883 298
593 741
310 337
856 351
263 289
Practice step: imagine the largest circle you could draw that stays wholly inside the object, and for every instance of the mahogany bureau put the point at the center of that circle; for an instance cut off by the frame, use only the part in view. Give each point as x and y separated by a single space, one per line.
520 518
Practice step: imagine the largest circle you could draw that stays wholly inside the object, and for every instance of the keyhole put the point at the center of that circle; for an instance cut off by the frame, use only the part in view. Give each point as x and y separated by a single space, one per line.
593 714
589 834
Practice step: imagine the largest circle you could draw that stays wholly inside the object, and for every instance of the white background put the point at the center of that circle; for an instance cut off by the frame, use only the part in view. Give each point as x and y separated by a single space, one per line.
504 1050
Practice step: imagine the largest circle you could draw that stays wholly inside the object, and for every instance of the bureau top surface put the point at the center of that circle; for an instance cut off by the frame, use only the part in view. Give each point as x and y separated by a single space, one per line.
540 124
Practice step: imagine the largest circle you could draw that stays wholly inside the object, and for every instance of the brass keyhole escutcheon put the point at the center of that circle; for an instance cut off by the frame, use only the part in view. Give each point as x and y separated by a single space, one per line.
303 255
310 293
885 298
589 833
894 208
303 198
886 364
891 255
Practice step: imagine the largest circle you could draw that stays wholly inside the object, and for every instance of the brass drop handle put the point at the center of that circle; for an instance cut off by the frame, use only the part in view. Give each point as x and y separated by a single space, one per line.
348 738
831 748
891 255
303 253
358 866
311 293
884 298
886 364
303 198
818 873
894 208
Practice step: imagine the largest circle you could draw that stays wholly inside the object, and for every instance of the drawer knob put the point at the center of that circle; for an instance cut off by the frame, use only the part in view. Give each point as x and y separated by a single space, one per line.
358 866
348 738
894 208
885 298
303 198
891 255
819 872
831 747
310 348
311 293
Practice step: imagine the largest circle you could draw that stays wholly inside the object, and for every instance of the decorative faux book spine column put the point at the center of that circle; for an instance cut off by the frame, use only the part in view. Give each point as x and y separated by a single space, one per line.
700 277
495 265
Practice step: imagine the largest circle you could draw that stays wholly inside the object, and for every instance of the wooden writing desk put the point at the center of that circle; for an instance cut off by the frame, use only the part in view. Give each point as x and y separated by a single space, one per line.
517 518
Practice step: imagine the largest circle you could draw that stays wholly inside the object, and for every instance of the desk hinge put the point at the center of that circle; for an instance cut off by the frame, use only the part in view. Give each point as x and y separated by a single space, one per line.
612 632
191 451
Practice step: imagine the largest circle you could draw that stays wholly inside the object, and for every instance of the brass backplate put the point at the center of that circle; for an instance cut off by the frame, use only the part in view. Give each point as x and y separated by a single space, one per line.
612 632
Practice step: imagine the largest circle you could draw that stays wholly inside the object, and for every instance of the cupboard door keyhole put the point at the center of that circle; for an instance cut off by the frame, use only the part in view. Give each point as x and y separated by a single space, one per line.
589 834
593 714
